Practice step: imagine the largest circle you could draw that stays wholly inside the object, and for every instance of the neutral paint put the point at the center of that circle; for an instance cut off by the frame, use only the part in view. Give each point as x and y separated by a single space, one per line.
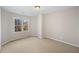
40 20
34 26
8 33
63 26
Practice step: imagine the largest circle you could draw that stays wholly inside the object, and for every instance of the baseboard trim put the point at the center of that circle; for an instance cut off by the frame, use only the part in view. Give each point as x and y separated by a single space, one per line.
63 42
43 37
15 40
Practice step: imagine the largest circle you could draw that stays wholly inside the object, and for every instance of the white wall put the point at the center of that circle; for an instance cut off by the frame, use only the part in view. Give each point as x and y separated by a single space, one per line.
34 26
8 32
63 26
0 28
40 21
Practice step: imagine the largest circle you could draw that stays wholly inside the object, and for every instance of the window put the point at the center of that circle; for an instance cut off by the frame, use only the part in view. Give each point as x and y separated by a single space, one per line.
25 25
21 25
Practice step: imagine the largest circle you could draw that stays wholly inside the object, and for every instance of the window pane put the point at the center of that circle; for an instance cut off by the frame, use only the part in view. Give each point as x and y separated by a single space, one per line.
25 25
18 25
24 22
17 28
17 22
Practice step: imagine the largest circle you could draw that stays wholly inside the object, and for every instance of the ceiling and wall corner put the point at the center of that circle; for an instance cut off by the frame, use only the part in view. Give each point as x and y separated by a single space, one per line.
32 11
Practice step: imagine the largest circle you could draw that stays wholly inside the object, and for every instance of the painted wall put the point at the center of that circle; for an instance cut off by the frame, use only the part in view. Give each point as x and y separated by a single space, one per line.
39 23
0 28
34 26
63 26
8 27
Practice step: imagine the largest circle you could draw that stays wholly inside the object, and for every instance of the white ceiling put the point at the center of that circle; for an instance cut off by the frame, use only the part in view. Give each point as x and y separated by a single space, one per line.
31 11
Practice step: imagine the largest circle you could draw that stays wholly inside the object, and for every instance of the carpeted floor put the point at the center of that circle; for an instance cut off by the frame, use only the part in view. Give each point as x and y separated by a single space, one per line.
36 45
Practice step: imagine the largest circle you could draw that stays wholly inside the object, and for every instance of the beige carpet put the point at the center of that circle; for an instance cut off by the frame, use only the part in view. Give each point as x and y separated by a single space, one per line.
37 45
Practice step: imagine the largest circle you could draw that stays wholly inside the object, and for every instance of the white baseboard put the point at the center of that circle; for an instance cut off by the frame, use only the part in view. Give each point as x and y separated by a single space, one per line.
63 41
45 37
5 42
15 40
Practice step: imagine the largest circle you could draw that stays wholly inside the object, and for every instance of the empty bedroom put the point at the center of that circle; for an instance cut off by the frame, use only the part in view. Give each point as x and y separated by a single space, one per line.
39 29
